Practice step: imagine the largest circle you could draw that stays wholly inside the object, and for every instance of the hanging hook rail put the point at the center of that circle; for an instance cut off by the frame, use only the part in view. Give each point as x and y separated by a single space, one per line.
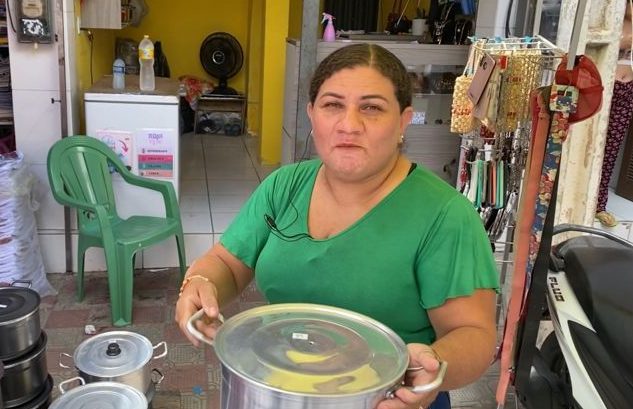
518 43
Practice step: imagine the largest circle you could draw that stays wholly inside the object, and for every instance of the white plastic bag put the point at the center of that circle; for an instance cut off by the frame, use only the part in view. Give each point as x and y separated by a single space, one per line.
20 257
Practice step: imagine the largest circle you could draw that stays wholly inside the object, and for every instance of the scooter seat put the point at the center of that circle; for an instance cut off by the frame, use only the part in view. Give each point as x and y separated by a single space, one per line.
600 272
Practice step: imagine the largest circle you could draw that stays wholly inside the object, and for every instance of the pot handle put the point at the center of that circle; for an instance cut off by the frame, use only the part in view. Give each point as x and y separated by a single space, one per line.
61 357
164 354
28 283
194 331
160 376
67 381
426 387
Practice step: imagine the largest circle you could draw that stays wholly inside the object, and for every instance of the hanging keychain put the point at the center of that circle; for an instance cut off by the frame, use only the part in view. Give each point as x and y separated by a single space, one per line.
472 193
500 184
491 183
480 180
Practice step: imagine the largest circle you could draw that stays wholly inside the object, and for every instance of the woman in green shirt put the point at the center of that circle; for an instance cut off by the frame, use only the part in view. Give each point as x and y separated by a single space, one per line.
363 228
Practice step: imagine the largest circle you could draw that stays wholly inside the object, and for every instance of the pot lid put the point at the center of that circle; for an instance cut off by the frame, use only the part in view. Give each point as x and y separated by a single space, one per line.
311 349
16 303
102 395
113 353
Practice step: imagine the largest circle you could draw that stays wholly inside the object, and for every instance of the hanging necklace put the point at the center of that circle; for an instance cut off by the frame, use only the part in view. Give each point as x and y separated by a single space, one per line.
439 27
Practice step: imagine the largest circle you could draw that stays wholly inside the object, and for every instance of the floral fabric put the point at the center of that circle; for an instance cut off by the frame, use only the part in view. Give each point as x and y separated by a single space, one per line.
535 214
619 119
551 162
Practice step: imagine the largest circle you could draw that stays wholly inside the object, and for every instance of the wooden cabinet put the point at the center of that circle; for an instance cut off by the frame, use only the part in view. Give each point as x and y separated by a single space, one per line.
113 14
433 69
221 114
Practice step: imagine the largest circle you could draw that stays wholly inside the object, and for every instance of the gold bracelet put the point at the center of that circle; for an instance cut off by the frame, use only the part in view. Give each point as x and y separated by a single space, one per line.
437 356
188 279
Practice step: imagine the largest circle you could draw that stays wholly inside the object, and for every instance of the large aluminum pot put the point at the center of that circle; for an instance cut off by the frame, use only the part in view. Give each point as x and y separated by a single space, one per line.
19 321
99 395
298 356
25 377
118 356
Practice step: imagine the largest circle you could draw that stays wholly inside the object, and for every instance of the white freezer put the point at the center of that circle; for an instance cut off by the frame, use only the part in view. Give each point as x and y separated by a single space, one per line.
143 128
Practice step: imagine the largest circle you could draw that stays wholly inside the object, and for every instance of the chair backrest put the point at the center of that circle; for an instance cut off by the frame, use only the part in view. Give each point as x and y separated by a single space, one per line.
79 167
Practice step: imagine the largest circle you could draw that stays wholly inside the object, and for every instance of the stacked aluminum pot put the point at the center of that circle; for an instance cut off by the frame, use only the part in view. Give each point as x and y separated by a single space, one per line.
26 383
1 375
122 357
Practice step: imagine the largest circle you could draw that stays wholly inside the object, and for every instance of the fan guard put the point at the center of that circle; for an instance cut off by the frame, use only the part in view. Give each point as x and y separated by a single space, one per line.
222 57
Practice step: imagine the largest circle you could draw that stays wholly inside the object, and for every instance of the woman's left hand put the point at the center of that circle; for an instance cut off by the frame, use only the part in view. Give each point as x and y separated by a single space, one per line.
420 355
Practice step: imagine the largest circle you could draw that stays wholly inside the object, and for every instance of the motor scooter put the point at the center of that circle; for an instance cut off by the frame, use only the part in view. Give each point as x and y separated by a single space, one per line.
587 361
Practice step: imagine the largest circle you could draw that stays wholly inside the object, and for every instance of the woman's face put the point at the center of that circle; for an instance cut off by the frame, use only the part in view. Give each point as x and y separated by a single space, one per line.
357 124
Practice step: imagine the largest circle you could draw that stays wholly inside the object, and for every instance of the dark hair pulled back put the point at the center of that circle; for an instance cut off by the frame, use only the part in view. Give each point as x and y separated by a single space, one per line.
365 55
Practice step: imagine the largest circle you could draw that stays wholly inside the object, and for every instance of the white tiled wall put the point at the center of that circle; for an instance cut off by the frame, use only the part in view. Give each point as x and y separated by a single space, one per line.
37 122
35 81
53 252
33 68
73 94
52 246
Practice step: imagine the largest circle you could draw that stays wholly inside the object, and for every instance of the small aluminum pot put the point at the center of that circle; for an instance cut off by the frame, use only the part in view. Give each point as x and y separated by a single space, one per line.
118 356
25 377
19 321
296 356
99 395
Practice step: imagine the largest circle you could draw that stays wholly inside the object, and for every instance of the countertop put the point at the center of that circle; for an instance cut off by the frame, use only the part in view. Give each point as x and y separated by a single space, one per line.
164 86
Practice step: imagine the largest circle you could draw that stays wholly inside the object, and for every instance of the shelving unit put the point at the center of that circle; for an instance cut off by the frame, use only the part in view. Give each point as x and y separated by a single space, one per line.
7 133
226 113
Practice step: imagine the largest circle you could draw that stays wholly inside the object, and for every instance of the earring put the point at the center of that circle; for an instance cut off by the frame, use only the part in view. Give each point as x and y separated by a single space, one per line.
401 138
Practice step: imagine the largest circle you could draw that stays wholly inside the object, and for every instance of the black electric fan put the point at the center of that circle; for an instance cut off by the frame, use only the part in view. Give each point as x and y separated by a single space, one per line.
221 57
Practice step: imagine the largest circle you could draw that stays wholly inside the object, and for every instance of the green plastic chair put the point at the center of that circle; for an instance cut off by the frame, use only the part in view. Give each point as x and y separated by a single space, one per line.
79 175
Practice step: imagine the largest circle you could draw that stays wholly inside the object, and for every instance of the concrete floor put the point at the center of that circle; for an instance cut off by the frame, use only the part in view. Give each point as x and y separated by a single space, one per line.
192 375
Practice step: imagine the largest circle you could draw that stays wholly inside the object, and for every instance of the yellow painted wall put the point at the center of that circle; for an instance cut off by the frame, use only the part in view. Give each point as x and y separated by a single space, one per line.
255 61
102 58
182 27
295 18
275 33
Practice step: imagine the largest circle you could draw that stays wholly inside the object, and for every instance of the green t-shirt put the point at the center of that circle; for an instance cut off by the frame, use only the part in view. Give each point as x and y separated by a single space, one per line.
422 244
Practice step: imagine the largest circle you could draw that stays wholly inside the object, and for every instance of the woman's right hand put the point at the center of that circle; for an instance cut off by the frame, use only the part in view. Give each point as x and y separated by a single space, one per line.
196 295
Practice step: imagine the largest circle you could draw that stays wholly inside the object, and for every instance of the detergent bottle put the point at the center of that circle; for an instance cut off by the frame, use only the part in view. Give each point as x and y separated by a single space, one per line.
329 34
